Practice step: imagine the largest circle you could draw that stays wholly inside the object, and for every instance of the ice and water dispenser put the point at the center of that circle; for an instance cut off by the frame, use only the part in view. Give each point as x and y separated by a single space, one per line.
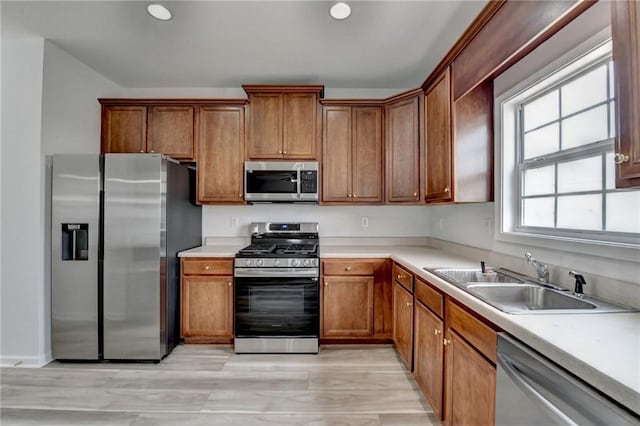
75 241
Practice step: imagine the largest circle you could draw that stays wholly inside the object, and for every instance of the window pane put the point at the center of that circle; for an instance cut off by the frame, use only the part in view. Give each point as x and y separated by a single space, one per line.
539 181
623 211
580 175
585 91
538 212
541 111
611 171
580 212
589 126
541 141
612 119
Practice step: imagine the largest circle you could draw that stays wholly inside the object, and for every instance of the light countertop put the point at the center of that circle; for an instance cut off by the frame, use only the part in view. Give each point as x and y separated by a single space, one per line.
602 349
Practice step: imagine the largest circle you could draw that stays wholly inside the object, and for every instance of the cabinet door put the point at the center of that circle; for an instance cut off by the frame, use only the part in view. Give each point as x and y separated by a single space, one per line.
336 157
428 360
265 126
403 323
221 154
207 306
437 108
625 19
347 306
300 126
403 162
171 131
471 384
124 129
367 154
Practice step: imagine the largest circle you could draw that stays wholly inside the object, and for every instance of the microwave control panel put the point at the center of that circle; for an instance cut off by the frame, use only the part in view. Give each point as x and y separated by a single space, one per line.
308 181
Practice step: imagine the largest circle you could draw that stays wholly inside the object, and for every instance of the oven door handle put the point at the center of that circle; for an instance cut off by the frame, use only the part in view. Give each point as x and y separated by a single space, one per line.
276 272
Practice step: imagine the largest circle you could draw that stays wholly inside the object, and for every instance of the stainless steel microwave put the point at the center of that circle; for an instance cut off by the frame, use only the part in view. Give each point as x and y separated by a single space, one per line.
281 181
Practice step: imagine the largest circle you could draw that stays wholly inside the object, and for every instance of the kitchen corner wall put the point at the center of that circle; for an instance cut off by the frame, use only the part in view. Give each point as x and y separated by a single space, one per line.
335 221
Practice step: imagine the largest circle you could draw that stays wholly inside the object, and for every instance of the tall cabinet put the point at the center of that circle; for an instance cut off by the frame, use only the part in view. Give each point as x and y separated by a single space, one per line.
403 147
352 167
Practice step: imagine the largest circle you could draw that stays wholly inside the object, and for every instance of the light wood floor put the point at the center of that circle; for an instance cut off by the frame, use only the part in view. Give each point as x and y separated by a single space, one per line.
210 385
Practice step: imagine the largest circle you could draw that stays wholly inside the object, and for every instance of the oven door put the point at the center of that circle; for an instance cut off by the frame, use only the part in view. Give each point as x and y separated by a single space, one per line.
277 306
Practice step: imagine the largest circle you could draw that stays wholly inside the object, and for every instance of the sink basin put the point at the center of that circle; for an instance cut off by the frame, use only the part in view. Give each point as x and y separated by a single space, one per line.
527 297
516 294
475 275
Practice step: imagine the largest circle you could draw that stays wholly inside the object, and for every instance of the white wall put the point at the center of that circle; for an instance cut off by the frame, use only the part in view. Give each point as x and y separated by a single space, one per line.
22 297
335 221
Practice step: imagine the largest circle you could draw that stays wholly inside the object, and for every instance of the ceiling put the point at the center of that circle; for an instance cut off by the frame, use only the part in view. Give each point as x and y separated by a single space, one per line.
384 44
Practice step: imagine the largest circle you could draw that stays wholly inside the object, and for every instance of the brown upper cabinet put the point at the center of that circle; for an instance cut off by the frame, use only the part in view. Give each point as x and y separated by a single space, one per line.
458 143
283 122
124 128
221 140
352 159
403 147
437 118
165 126
625 17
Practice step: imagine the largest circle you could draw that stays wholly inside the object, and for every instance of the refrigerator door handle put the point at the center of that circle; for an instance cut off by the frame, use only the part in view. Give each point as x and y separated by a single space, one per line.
517 377
74 241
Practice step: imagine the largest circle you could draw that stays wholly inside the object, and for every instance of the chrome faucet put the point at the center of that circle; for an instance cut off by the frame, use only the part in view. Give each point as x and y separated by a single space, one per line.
541 269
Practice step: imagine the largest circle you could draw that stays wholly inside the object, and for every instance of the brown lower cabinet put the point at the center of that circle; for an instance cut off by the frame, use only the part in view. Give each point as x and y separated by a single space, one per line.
206 300
403 323
355 300
429 356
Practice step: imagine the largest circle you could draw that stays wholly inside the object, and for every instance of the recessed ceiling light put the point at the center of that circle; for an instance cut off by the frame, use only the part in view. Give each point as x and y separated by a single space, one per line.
340 11
158 11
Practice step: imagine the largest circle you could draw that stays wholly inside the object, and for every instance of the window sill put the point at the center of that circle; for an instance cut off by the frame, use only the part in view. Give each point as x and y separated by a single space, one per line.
607 249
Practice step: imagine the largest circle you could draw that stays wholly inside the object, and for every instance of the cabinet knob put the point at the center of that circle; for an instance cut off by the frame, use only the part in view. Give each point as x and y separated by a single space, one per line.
152 151
284 152
415 194
446 342
399 277
279 152
240 195
349 195
436 331
142 150
408 304
229 283
207 267
446 189
621 158
354 195
326 283
348 268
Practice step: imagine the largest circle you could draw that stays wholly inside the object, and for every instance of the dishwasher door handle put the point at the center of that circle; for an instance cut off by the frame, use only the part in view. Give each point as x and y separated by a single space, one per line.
517 377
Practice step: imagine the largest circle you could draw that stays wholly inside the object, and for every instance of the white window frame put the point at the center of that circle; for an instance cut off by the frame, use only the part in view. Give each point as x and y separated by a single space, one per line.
507 228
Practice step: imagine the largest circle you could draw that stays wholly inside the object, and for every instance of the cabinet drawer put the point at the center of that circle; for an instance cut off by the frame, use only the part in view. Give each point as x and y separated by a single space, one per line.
403 277
476 332
348 268
430 297
200 266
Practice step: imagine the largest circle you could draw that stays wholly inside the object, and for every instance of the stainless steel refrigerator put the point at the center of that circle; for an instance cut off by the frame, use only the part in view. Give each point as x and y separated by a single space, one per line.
117 223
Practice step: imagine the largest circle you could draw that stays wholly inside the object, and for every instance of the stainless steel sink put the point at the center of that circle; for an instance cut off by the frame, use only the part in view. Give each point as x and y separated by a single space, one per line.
527 297
516 294
471 275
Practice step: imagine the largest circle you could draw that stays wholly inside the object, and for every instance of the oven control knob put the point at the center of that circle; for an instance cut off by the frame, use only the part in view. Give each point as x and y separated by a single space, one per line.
259 262
295 262
247 262
276 262
306 262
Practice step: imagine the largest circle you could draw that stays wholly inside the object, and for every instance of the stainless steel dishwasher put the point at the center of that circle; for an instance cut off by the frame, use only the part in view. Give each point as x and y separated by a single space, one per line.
531 390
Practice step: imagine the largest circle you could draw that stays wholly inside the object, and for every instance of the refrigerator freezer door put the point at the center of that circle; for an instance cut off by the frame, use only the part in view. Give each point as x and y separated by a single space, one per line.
134 243
75 233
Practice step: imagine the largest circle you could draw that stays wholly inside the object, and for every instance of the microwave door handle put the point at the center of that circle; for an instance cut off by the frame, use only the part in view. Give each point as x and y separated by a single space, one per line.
298 183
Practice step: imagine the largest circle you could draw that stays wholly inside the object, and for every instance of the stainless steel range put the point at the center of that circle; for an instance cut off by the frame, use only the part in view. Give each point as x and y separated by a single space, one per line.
277 291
